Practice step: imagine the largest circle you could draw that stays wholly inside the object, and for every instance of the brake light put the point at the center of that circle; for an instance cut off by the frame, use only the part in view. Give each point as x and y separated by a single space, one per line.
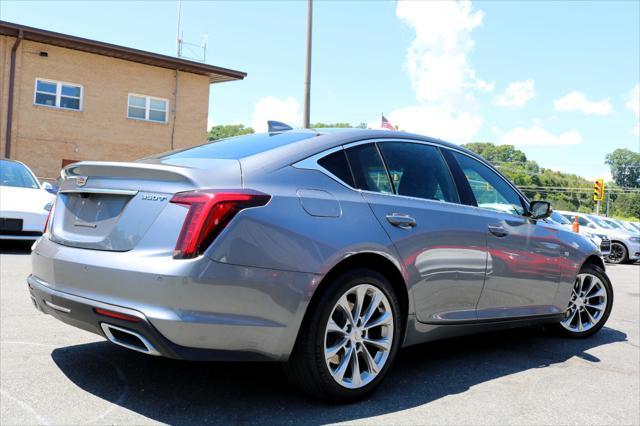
46 223
209 212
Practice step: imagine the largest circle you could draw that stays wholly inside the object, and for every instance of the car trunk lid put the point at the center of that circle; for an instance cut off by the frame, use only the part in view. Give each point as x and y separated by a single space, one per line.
110 206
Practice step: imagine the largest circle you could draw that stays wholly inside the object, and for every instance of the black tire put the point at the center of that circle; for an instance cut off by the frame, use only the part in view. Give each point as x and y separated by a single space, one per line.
619 259
307 369
602 276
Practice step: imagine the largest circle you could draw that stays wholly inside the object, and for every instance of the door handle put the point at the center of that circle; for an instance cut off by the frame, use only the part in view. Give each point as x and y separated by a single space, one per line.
401 220
498 231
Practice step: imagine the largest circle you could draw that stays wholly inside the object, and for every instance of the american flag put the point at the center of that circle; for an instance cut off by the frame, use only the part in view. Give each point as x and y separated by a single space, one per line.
386 124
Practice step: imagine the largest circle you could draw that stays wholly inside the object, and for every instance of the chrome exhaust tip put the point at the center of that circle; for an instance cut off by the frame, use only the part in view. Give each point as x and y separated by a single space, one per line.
129 339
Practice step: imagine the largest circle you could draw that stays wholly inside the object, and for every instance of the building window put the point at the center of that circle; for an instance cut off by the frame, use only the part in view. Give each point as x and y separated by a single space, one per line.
141 107
58 94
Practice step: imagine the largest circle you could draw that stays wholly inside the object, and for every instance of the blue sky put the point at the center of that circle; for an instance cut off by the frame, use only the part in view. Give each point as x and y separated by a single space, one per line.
556 78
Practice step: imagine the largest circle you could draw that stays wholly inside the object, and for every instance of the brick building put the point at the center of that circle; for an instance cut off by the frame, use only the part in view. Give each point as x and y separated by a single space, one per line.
65 98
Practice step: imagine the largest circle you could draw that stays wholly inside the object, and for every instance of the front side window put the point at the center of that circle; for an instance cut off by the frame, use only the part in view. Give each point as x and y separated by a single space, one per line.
418 170
490 190
58 94
369 173
141 107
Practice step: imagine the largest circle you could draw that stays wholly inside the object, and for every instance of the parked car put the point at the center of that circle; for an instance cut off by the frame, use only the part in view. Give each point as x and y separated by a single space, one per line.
327 251
627 226
625 247
600 240
24 202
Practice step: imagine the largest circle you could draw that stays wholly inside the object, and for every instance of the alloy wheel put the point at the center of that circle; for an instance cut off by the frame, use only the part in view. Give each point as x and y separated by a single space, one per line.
359 336
617 253
587 305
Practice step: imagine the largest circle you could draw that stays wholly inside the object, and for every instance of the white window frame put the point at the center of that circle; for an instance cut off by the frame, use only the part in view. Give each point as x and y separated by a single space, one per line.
147 108
58 93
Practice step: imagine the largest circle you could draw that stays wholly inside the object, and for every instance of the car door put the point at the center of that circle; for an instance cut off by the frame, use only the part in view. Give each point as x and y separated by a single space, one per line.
525 256
411 191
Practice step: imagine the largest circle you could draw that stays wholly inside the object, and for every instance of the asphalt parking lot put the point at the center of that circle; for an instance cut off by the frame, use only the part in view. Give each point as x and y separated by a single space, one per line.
51 373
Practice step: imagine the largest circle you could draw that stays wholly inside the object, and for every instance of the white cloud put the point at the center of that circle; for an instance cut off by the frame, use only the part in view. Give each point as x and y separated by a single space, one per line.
435 121
536 135
272 108
517 94
437 59
577 101
442 77
210 123
633 104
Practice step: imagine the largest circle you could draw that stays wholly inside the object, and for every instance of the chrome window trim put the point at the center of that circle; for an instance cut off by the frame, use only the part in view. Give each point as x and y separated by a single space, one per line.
311 163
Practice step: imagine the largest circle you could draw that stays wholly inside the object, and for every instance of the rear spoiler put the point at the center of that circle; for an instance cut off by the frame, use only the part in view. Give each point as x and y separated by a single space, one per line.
114 169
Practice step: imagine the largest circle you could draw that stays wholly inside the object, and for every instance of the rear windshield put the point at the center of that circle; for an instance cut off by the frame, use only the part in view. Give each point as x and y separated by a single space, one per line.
239 147
16 174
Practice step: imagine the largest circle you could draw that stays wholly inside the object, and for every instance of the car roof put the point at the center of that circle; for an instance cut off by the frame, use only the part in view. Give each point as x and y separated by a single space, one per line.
289 147
296 151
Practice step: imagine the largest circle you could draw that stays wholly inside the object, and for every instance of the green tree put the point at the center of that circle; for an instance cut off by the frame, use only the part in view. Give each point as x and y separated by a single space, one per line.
497 153
625 167
228 130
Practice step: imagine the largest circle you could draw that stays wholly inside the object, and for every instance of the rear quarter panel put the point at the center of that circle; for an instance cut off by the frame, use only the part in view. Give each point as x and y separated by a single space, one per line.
284 235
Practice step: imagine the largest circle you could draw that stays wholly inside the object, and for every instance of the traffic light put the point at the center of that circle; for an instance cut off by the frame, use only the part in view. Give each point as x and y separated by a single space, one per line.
598 190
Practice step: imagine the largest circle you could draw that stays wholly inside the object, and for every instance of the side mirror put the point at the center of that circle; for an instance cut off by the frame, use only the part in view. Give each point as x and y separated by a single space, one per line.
540 209
48 187
591 225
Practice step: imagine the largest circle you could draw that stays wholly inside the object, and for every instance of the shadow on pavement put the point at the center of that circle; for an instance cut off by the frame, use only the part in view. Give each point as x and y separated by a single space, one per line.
182 392
15 247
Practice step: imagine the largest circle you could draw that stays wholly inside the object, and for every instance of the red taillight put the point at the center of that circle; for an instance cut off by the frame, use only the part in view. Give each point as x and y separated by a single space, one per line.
209 212
116 315
46 223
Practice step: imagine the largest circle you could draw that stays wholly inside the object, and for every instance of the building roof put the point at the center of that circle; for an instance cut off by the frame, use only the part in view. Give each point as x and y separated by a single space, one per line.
215 74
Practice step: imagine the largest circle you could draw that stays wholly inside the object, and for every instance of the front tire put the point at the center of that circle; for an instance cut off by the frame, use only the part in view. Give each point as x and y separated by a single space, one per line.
619 253
590 304
349 339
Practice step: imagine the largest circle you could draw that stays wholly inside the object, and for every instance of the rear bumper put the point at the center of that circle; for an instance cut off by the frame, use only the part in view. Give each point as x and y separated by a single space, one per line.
80 312
194 309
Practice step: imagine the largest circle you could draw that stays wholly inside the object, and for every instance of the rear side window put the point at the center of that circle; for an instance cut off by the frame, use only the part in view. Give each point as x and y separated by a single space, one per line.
368 169
337 165
419 171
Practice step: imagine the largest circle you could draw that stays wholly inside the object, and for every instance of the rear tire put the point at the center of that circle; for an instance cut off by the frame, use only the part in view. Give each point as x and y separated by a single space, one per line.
619 253
590 304
349 339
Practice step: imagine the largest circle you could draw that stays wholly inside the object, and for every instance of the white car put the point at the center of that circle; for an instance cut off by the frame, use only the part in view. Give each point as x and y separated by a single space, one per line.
599 240
625 247
24 202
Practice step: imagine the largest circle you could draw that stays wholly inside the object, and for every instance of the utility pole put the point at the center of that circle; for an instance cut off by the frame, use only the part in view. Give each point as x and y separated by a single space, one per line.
307 69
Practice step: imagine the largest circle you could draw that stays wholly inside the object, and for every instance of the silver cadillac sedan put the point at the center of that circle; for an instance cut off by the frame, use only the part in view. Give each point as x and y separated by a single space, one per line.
329 251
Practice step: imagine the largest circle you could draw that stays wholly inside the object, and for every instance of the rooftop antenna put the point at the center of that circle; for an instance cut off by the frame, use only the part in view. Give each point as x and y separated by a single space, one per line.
192 51
178 36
